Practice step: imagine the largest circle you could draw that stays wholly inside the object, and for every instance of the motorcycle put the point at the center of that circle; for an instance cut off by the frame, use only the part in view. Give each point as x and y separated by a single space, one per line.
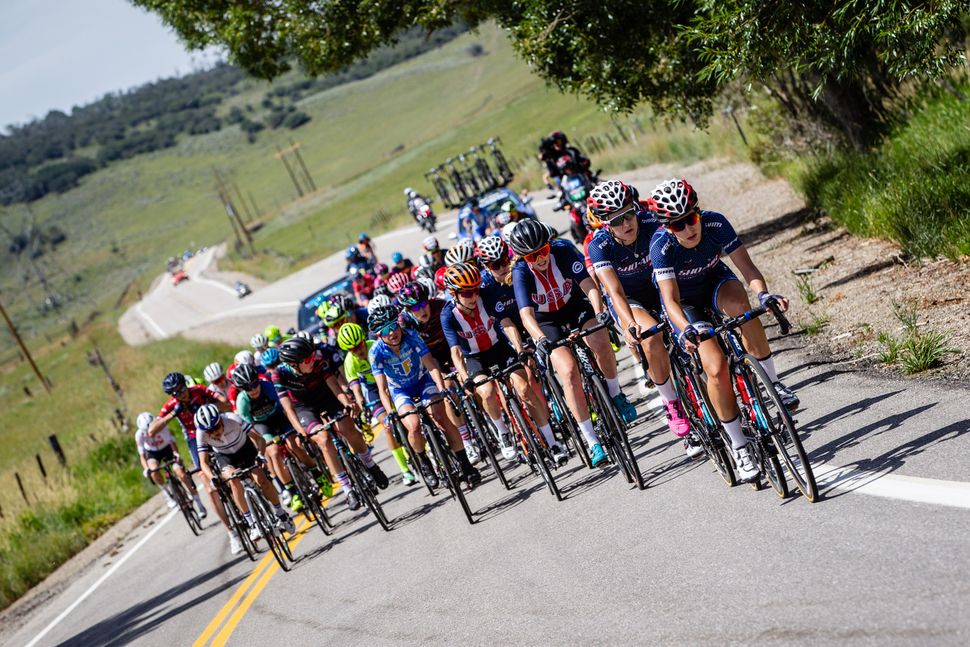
425 217
574 189
242 289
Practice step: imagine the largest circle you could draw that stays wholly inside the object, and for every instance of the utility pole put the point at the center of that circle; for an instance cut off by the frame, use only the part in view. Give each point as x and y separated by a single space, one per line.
239 196
23 349
296 151
233 214
296 183
96 359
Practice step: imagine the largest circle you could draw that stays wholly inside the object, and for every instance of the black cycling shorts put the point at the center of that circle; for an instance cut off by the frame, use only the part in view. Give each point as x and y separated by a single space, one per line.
557 325
160 455
245 457
274 426
501 355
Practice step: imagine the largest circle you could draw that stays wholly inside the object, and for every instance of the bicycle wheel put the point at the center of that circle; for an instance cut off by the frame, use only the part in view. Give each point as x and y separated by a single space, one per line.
780 425
700 412
613 431
310 494
449 469
568 427
537 453
483 431
239 526
365 488
188 510
413 460
266 524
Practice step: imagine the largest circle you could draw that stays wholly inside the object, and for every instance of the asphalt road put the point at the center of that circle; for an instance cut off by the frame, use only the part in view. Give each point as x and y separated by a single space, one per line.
882 558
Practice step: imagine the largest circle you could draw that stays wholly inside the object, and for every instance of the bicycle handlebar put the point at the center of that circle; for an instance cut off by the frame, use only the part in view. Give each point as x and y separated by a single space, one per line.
422 406
578 334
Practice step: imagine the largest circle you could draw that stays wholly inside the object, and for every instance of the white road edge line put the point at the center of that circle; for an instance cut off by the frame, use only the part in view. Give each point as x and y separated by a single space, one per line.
221 286
162 334
91 589
954 494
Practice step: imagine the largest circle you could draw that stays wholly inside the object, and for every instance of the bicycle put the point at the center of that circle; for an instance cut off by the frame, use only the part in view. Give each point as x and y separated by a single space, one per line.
537 452
563 424
444 461
360 478
236 520
181 496
263 517
306 487
441 187
484 433
468 173
485 175
764 416
692 393
457 181
610 427
500 163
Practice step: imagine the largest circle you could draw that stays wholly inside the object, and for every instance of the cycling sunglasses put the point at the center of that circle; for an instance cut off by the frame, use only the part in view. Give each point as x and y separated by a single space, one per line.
388 329
542 252
498 264
418 306
471 292
683 223
620 218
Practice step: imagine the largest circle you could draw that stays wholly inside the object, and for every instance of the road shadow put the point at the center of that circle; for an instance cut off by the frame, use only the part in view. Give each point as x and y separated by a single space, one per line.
806 429
771 228
670 469
861 273
144 617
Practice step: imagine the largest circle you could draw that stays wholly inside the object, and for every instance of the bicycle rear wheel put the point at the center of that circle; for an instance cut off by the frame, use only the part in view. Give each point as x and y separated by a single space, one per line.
449 470
780 425
239 525
614 429
537 453
310 495
188 510
700 412
563 417
363 485
482 430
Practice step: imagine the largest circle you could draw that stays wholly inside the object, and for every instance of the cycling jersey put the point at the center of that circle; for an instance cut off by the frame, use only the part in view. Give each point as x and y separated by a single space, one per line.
473 332
145 443
550 290
234 435
404 368
693 268
260 408
312 386
358 371
500 298
430 331
630 262
198 395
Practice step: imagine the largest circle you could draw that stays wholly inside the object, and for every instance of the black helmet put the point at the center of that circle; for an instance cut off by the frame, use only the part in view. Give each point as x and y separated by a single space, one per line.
295 350
245 377
412 294
381 317
528 236
173 383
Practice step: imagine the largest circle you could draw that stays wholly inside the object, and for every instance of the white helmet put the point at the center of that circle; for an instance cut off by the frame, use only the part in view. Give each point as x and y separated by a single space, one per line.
144 420
259 341
506 230
379 301
431 244
463 252
212 372
408 191
305 334
207 417
428 283
245 357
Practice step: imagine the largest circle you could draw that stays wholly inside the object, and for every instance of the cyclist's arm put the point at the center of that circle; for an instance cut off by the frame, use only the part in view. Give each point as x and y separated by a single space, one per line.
290 412
431 364
204 464
752 275
358 393
530 324
383 392
589 286
670 293
257 439
458 360
160 422
513 334
341 395
611 283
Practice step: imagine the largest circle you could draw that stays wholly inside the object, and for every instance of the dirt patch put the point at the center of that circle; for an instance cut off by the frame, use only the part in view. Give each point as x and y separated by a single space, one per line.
857 280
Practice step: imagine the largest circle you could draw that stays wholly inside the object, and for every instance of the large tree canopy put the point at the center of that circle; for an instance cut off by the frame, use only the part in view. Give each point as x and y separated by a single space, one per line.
835 61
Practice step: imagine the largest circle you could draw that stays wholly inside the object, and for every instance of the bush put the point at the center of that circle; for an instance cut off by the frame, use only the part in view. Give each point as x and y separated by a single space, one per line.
296 119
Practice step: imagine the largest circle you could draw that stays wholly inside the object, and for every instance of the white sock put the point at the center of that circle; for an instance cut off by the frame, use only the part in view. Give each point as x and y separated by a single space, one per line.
546 432
638 370
667 391
500 425
768 364
464 433
733 429
278 509
586 426
613 386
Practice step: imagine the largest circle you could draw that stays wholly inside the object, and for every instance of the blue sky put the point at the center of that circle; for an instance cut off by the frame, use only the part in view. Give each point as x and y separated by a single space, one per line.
55 54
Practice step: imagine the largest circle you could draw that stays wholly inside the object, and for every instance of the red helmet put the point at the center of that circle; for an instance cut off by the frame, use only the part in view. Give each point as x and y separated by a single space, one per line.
672 200
397 281
439 277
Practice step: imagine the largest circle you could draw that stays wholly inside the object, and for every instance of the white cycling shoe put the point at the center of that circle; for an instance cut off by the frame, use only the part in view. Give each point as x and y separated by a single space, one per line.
235 545
472 452
747 469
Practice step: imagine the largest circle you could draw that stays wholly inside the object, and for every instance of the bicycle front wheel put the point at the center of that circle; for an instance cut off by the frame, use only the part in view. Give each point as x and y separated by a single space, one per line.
537 453
483 432
450 470
264 521
310 495
774 415
559 414
365 489
619 446
185 506
693 396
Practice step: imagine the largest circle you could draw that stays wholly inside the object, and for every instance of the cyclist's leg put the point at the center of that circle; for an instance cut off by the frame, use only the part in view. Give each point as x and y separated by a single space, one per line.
158 478
537 413
183 476
193 449
310 420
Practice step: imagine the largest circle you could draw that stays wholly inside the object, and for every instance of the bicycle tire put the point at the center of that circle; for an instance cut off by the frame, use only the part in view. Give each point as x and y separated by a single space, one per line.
700 412
481 429
502 165
449 474
765 451
571 432
310 494
783 432
362 484
413 457
185 506
266 526
621 439
239 525
537 453
607 421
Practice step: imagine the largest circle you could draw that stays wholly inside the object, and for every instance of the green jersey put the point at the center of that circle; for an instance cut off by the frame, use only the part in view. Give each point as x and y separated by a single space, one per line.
358 370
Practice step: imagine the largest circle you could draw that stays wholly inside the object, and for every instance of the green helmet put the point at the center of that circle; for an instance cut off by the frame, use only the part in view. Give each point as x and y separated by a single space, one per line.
349 336
273 335
330 313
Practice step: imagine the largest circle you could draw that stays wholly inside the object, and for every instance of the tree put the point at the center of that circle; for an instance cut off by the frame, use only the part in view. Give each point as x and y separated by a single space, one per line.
833 61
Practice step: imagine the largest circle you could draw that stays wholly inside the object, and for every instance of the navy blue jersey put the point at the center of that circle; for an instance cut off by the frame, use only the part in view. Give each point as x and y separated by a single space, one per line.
692 267
500 298
551 290
630 262
474 332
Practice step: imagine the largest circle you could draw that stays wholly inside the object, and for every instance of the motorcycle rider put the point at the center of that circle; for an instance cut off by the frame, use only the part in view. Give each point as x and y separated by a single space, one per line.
416 204
554 147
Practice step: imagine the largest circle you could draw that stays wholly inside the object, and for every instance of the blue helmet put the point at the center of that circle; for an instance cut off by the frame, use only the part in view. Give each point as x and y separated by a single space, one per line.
173 383
270 357
362 236
396 257
352 252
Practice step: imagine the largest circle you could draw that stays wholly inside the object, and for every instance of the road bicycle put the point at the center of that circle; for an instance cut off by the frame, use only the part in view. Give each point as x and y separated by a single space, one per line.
504 170
263 517
485 175
441 187
237 523
181 495
306 486
443 459
484 434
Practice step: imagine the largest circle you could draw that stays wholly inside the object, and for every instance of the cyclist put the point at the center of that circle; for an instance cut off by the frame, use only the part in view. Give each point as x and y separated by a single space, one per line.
422 312
366 248
693 280
397 281
473 221
337 311
259 405
308 388
363 286
482 337
495 256
233 444
353 341
463 252
416 202
551 290
405 371
355 260
273 336
259 342
381 273
620 255
400 263
433 247
216 378
157 449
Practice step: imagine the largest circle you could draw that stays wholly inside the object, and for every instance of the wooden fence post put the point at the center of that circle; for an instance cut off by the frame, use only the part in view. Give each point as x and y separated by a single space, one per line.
20 484
58 451
40 464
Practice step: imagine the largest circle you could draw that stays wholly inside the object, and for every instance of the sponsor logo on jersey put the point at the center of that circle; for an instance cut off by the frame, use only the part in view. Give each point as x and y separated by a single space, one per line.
577 267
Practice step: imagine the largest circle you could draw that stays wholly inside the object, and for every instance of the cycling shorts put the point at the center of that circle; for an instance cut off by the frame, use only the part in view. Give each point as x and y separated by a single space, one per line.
309 413
501 355
160 455
276 425
699 304
424 390
245 457
373 400
556 325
